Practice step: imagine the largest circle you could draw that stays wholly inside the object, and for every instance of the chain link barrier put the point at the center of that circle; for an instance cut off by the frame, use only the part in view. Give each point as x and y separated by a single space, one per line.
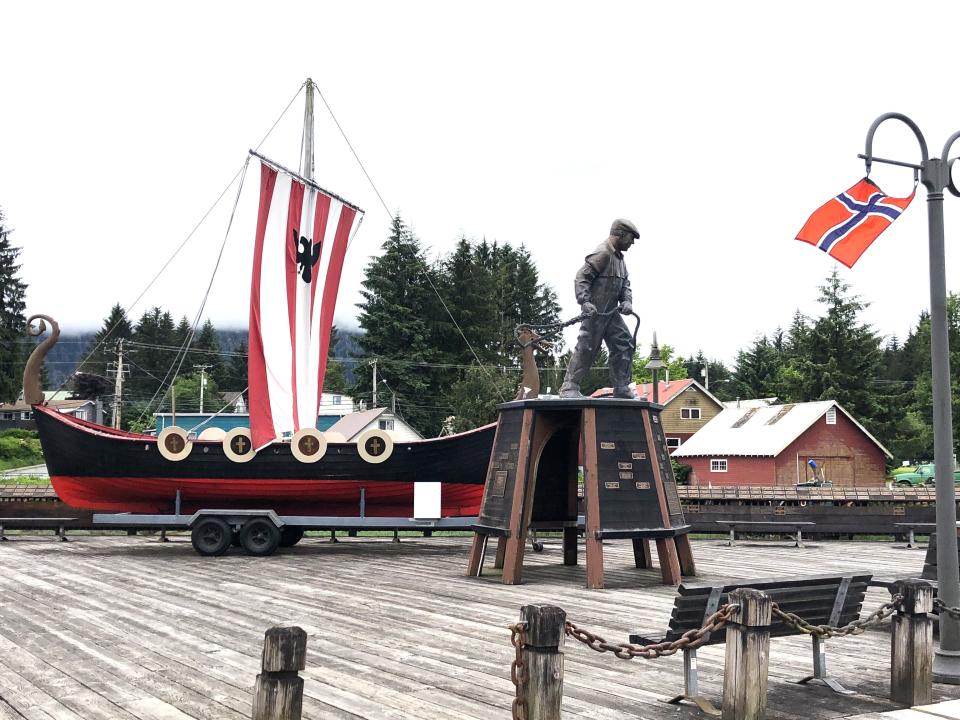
518 669
627 651
941 608
695 638
856 627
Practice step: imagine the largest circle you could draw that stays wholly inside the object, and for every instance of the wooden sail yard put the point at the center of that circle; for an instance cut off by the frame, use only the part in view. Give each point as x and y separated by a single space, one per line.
127 627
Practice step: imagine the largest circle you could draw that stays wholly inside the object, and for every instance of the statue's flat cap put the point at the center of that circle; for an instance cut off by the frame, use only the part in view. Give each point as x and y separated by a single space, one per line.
621 226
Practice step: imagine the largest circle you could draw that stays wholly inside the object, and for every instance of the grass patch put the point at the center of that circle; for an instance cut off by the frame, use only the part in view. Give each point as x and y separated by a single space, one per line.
19 448
34 480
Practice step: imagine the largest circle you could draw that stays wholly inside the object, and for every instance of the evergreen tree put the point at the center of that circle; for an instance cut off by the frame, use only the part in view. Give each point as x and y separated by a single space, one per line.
205 350
335 379
153 352
718 375
757 371
13 340
397 302
235 372
474 402
101 351
843 355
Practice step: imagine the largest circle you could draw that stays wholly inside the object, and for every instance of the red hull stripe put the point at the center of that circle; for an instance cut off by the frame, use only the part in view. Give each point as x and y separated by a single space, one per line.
288 497
261 416
294 230
330 289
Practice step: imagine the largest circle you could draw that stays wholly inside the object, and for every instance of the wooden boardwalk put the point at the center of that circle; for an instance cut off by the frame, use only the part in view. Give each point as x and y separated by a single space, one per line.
117 627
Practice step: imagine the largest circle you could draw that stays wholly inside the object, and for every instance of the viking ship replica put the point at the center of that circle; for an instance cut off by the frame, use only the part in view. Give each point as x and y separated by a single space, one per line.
282 462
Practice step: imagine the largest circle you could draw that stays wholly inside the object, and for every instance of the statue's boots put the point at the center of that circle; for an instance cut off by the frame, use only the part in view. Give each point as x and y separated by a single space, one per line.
626 392
570 390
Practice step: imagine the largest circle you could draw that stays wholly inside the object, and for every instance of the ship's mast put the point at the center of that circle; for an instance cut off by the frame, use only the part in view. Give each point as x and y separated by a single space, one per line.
306 168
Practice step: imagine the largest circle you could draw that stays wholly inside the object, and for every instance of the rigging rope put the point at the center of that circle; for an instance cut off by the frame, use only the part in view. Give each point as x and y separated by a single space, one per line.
196 321
176 252
426 269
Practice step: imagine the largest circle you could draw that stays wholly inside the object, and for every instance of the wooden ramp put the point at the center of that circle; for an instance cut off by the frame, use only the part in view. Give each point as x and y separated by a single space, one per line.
117 627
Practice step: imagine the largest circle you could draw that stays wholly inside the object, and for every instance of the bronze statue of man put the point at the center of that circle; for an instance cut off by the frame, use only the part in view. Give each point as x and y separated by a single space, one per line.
603 290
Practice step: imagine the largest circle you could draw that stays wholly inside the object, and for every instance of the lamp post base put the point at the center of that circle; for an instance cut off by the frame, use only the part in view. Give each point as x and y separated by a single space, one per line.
946 666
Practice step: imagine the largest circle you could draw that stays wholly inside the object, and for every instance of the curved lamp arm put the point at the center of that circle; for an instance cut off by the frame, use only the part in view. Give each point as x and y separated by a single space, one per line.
905 120
954 190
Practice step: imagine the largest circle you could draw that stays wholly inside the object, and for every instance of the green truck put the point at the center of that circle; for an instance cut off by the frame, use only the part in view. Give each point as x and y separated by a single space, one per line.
920 475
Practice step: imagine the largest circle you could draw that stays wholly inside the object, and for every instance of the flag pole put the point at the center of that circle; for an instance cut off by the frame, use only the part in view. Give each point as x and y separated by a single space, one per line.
935 176
307 167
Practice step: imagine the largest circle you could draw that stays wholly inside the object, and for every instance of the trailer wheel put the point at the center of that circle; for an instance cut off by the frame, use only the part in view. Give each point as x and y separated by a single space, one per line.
290 536
211 536
260 537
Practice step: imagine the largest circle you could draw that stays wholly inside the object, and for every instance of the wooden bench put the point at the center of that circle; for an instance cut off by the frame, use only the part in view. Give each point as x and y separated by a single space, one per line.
796 526
819 599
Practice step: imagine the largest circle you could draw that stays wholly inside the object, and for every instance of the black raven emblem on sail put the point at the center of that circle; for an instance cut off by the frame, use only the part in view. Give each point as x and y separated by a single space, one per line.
307 255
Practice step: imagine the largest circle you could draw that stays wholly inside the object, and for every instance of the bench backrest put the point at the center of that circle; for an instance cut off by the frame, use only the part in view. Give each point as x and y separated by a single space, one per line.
818 599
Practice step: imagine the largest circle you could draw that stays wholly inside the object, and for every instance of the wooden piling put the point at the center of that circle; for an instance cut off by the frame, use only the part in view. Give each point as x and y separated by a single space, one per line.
911 644
745 668
278 693
543 660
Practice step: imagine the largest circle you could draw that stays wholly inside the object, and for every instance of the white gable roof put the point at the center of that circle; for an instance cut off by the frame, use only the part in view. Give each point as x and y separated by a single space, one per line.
762 431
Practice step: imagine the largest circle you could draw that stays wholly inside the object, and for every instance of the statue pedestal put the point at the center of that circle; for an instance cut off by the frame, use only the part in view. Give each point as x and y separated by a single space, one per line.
628 486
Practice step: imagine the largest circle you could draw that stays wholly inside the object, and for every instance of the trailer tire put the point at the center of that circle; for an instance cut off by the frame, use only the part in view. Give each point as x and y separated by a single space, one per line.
211 536
290 536
259 537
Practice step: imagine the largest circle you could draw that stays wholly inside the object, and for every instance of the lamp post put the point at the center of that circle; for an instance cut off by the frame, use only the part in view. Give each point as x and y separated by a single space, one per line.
935 176
654 366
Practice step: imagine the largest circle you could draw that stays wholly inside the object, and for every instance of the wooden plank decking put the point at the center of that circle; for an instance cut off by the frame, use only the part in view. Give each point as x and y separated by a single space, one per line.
117 627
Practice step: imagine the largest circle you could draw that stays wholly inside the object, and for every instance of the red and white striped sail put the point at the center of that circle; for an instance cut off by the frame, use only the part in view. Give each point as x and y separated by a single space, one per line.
301 239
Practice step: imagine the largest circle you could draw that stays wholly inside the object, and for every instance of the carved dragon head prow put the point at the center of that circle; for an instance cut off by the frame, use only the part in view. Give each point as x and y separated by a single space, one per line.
32 388
529 340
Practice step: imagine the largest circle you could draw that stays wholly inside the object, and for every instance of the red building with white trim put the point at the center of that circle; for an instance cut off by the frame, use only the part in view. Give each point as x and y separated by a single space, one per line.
774 445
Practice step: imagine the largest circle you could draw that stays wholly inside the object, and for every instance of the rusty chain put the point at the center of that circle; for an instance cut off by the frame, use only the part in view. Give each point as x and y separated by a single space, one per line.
627 651
518 669
941 608
828 631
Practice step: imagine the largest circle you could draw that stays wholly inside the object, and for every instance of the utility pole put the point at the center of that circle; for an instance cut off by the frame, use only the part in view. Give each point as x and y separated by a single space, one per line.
374 384
203 381
935 174
119 370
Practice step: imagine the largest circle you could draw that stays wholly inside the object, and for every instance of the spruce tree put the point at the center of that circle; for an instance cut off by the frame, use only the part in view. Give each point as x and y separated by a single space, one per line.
235 372
843 354
757 371
153 352
397 300
205 350
335 378
13 340
101 351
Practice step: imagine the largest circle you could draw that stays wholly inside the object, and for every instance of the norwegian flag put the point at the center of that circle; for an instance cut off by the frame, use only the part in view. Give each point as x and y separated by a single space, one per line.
845 225
301 239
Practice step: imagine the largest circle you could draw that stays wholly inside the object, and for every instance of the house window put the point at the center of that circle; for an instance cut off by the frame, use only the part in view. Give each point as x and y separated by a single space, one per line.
718 465
6 416
691 413
832 416
26 415
336 399
673 443
386 424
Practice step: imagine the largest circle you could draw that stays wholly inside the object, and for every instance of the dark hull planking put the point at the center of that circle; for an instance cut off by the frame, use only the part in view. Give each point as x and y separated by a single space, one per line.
95 467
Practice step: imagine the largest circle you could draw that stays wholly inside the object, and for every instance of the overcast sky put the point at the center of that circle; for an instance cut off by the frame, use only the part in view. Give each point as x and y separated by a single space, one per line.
715 127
